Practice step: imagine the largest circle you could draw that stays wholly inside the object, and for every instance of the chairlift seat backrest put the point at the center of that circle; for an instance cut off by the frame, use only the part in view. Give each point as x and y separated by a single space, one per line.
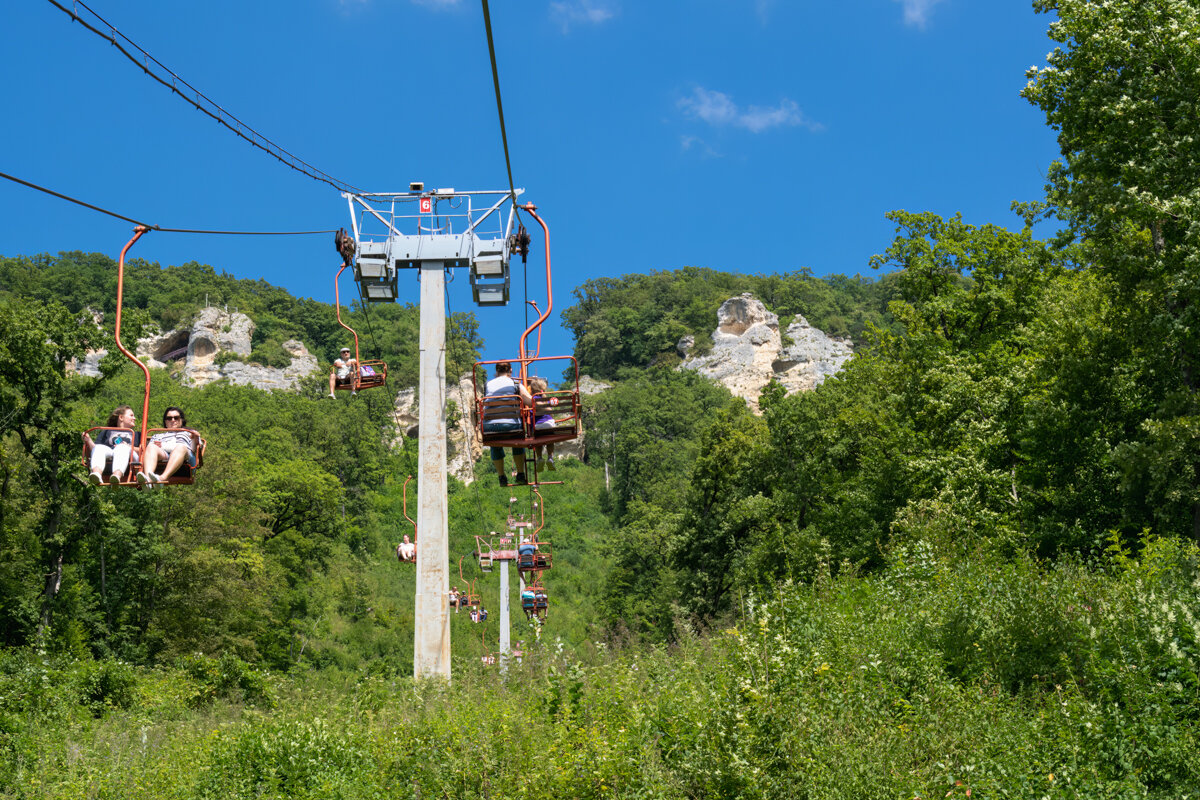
502 407
563 409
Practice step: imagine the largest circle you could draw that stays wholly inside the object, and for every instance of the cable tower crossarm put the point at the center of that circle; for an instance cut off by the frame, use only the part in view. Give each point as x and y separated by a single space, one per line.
199 100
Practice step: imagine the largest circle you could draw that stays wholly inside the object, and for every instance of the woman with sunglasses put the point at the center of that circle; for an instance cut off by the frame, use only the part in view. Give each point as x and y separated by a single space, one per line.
174 445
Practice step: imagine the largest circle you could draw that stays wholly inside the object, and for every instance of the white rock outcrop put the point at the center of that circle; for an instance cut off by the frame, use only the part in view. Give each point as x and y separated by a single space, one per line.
589 385
748 352
810 358
89 365
273 378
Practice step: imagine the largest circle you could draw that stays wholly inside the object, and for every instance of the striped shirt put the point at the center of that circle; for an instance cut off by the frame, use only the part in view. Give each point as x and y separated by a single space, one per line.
169 440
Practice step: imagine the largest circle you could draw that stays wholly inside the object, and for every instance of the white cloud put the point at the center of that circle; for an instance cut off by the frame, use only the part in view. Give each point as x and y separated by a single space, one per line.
916 12
718 108
699 145
569 13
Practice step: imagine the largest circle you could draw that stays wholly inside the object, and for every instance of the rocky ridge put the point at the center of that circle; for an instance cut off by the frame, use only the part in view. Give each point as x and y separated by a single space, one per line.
213 332
748 351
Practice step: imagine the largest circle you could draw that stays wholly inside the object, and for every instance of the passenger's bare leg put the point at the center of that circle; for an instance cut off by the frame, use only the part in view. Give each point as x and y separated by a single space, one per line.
152 453
174 462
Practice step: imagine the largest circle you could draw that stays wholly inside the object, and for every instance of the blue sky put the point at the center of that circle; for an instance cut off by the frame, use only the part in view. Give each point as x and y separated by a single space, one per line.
742 135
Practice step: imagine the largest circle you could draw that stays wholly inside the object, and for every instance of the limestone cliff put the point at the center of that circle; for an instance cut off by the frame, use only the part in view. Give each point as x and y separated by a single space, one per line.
748 351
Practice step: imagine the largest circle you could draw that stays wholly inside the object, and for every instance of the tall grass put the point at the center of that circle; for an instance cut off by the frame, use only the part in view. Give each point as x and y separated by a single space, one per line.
944 676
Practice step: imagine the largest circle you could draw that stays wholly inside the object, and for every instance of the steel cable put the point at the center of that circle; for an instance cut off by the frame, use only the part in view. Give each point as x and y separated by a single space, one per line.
220 115
148 226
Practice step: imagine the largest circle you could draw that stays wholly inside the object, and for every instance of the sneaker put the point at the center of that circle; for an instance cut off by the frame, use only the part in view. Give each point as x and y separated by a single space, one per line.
143 480
504 480
332 396
550 463
95 479
155 481
521 480
114 479
354 394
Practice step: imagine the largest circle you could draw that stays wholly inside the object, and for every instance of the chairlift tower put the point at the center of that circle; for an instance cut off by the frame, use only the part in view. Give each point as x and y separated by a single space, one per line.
431 233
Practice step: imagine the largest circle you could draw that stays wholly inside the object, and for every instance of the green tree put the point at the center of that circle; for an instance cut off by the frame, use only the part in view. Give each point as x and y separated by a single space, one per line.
37 396
1122 90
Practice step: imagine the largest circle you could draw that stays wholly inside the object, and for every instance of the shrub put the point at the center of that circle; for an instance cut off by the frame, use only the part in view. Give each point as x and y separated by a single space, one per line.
107 684
286 759
271 354
227 677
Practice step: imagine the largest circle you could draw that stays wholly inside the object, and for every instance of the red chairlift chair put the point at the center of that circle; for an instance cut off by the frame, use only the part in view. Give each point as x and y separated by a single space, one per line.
533 564
412 522
185 475
368 374
534 600
472 597
560 405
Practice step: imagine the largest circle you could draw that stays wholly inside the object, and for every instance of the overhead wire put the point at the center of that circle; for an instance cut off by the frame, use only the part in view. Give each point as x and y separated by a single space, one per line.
149 226
201 101
487 24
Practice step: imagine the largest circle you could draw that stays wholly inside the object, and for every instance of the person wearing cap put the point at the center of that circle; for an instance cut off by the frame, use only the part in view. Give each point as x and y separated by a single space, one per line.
344 369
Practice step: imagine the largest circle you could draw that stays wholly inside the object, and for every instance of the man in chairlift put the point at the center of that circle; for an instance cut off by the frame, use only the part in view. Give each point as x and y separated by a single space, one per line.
503 385
343 371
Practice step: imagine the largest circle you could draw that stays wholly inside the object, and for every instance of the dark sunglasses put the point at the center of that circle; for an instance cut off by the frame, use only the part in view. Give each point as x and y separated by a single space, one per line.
173 416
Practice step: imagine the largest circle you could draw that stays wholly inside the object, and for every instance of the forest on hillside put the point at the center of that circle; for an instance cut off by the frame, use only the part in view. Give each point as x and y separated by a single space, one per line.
965 566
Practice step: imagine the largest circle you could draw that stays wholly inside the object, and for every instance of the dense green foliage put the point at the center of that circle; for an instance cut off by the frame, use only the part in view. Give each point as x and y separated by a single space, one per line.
637 320
949 673
171 297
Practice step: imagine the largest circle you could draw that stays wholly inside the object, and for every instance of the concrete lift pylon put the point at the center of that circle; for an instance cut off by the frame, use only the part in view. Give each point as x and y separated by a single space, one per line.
432 232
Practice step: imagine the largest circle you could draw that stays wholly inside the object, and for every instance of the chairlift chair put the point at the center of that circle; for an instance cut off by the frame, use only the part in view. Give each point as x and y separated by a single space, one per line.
534 600
411 521
485 553
185 475
562 406
536 562
369 374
